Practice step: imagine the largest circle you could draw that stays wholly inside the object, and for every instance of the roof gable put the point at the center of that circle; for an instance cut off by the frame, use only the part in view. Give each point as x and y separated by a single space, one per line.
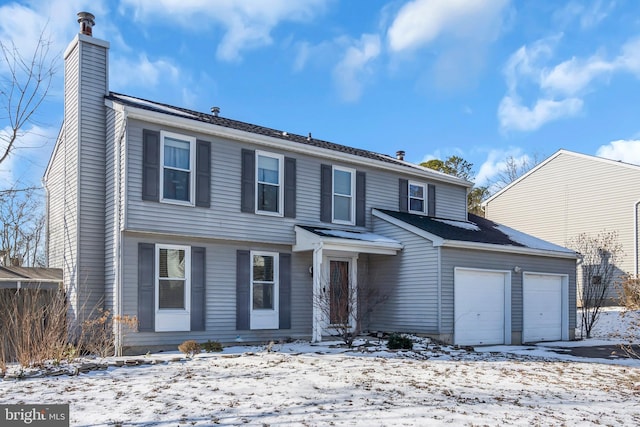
553 157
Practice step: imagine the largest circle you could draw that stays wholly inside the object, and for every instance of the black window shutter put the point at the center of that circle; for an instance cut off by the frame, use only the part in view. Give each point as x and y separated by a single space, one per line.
198 288
285 292
326 191
289 187
248 190
203 174
146 287
150 165
403 191
431 190
361 198
243 278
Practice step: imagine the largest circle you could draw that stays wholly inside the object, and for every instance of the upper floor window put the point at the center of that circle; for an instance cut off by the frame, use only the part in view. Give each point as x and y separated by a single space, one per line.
343 195
417 197
269 178
177 159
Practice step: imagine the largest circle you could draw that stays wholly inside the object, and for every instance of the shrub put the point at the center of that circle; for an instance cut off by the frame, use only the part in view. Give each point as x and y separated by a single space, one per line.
96 333
399 341
212 346
629 291
190 348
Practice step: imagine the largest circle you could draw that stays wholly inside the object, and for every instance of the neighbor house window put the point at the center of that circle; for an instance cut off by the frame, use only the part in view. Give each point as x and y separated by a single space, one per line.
177 159
269 178
417 197
173 287
343 195
264 290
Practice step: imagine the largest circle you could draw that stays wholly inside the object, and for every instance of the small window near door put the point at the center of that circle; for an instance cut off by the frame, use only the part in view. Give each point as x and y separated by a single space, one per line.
264 290
173 288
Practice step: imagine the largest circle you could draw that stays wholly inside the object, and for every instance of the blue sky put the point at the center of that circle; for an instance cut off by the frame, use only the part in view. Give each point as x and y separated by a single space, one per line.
482 79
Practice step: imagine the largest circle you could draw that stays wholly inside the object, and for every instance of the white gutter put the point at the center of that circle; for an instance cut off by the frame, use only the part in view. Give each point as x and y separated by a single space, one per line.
195 125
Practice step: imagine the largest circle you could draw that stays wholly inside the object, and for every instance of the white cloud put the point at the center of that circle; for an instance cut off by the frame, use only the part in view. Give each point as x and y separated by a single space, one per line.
420 22
624 150
353 70
512 115
248 24
142 72
495 164
559 87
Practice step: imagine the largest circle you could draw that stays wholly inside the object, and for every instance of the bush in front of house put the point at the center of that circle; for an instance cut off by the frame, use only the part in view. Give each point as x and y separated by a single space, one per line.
190 348
212 346
399 342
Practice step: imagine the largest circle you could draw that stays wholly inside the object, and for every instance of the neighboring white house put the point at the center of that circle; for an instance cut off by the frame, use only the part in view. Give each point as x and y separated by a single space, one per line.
204 227
571 193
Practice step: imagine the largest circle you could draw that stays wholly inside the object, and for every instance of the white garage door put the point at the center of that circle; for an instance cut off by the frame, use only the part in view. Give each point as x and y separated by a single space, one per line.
541 307
479 307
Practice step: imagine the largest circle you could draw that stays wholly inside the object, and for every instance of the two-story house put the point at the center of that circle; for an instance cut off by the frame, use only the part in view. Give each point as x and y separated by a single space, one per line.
204 227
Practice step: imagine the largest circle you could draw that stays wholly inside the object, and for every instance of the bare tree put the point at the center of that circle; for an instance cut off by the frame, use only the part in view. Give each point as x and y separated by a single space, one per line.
24 85
514 168
599 255
22 233
346 306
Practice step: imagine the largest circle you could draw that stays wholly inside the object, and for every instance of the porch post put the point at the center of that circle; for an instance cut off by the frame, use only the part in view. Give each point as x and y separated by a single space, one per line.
317 296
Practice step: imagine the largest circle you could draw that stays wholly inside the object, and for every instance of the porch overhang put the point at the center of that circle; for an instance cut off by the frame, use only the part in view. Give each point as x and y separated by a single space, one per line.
311 238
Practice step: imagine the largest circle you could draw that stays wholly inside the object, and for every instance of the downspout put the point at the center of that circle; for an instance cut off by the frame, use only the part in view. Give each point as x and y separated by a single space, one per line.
117 236
635 235
439 285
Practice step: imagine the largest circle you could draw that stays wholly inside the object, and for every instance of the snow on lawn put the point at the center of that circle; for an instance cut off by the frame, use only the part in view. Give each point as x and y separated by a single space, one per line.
303 384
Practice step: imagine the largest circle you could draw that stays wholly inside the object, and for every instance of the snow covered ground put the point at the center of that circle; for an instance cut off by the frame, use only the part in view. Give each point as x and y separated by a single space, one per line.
309 385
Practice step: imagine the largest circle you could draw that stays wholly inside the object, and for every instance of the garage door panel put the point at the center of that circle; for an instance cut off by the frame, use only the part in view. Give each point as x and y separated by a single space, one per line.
479 307
542 307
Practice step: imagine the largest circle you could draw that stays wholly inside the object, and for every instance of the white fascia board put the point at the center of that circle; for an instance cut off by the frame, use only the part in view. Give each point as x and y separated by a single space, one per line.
437 240
458 244
306 241
282 144
54 153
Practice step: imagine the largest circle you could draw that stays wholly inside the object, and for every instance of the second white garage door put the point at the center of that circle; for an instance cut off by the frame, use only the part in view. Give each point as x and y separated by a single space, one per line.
479 307
542 301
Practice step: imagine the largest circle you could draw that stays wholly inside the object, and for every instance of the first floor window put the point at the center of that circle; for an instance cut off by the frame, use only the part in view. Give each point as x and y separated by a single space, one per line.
173 267
177 160
264 290
417 197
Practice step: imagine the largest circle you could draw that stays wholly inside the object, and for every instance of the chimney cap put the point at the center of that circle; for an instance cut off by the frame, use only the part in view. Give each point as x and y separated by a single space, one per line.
86 21
215 111
400 155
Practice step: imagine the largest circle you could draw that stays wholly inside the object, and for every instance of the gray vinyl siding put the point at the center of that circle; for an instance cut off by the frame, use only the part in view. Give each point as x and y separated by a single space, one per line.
92 135
220 323
572 194
409 280
225 220
452 258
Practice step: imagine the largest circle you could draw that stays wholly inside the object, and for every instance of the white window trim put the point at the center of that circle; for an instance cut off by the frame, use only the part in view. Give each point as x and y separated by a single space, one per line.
280 159
266 318
353 195
173 319
192 169
424 197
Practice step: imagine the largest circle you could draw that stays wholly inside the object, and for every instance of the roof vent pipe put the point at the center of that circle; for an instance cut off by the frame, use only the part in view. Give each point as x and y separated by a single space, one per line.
86 21
215 111
400 155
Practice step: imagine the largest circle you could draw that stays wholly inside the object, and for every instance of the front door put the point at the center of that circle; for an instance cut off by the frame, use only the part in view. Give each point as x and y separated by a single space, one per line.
341 298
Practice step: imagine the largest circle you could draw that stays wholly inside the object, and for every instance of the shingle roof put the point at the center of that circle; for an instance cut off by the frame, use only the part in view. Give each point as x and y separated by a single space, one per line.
31 273
261 130
477 230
